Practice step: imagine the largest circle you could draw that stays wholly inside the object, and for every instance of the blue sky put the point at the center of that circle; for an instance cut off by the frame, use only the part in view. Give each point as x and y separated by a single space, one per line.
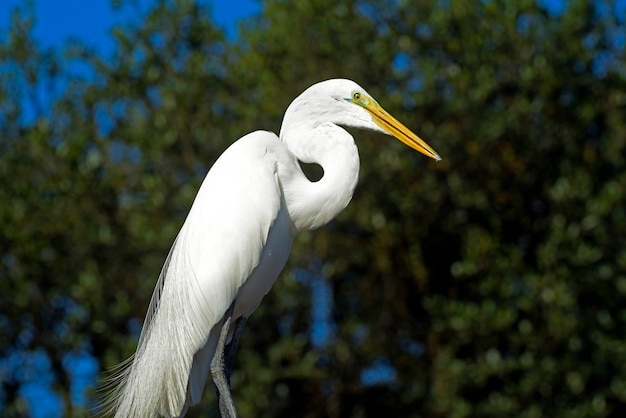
90 21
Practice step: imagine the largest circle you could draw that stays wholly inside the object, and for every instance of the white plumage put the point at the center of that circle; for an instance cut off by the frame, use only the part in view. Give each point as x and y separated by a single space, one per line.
238 235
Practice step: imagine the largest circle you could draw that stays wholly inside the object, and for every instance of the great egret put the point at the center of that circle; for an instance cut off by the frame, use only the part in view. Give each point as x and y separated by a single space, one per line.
236 240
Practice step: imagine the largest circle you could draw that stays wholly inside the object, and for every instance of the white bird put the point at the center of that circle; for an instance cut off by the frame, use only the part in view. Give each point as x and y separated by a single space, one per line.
236 240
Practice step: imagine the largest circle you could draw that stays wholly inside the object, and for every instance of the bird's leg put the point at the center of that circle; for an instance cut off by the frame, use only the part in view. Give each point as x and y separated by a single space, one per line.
218 369
231 349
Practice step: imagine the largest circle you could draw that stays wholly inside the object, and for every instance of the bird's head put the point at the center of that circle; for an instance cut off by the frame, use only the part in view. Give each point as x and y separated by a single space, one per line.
345 103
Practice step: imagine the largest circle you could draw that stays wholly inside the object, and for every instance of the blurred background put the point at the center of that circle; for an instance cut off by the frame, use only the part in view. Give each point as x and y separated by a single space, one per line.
491 284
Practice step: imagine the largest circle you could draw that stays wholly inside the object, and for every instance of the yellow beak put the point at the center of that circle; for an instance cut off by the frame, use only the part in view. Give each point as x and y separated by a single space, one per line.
395 128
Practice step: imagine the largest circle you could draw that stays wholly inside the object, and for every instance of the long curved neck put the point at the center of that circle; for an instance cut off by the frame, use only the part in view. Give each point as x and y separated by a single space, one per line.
314 204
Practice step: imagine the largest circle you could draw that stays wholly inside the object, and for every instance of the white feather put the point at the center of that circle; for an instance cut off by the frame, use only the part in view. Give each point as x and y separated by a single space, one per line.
219 246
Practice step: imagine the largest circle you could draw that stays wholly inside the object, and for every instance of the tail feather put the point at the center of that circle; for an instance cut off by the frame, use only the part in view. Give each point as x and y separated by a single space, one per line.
155 380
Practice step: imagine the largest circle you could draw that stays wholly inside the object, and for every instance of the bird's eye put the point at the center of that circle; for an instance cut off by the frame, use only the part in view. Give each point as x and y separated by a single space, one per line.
356 96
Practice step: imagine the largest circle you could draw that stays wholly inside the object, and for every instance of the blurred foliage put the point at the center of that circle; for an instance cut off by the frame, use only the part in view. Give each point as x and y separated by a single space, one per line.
492 282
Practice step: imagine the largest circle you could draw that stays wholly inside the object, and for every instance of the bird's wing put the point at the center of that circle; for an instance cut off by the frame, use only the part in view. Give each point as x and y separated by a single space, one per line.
216 251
